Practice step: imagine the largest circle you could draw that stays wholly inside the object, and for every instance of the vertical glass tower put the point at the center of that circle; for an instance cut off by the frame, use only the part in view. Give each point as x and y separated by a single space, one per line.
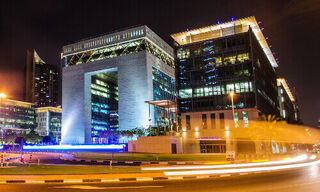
41 83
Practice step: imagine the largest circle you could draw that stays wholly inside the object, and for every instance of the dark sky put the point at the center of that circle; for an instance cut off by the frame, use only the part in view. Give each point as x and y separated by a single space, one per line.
292 27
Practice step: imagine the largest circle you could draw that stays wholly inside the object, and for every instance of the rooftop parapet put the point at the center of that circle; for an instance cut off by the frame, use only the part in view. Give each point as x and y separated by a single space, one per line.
226 29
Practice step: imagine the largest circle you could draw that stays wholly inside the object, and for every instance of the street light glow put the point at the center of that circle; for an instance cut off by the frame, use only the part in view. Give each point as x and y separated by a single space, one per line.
2 95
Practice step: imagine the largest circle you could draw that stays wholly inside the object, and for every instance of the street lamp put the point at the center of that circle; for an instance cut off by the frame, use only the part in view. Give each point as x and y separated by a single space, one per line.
2 96
231 95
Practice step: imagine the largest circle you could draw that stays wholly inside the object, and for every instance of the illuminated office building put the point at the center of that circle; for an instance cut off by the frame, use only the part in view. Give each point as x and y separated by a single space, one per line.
216 60
49 122
16 116
107 79
41 84
287 102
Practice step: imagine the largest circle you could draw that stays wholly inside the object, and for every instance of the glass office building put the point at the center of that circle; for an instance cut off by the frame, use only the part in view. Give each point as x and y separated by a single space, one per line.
106 81
16 116
216 60
49 123
287 102
41 84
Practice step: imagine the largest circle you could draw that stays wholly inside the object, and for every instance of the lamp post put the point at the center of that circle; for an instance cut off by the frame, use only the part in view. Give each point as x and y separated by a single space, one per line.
231 95
230 153
2 96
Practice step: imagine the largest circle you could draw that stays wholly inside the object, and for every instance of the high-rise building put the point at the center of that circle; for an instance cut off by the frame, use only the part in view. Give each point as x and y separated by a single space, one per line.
107 80
41 81
49 123
16 117
214 61
287 102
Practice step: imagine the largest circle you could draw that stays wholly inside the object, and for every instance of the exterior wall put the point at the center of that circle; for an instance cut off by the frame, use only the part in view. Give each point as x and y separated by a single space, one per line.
134 84
159 144
43 123
197 125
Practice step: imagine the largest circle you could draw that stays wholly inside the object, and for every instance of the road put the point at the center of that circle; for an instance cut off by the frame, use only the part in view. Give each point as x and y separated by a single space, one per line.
305 179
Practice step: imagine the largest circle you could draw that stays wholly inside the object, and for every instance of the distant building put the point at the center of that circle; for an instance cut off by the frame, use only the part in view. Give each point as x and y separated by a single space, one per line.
287 102
49 122
107 79
216 60
16 116
41 84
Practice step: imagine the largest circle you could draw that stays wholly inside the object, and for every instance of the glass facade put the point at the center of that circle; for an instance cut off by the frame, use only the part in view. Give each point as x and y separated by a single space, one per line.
163 89
17 116
104 107
41 81
207 71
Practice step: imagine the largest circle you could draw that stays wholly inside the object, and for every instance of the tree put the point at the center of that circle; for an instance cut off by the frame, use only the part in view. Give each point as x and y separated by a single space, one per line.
46 139
139 132
110 135
20 140
9 137
33 137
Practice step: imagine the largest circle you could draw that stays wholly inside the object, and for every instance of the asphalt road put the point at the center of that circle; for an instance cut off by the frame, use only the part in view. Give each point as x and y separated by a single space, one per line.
303 179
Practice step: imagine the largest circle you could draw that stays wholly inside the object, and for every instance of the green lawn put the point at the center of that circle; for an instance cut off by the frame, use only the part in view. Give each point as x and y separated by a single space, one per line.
61 169
148 157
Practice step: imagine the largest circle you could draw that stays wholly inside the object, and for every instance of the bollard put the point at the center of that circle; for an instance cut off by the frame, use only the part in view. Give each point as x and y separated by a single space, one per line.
7 164
30 159
38 162
110 162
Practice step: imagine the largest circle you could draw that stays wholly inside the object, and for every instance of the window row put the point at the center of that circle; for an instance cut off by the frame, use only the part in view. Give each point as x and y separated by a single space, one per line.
239 87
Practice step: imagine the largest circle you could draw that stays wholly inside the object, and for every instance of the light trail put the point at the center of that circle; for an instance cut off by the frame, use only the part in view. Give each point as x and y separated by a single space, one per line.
293 160
241 170
66 147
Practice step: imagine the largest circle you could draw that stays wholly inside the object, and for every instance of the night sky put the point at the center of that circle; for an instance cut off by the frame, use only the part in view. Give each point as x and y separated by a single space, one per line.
292 27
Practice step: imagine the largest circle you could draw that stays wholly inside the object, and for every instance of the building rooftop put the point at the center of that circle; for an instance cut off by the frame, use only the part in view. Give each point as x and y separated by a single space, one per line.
17 103
226 29
45 109
283 82
107 40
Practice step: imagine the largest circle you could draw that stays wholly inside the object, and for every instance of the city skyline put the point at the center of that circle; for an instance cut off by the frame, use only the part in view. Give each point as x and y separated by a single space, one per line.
52 27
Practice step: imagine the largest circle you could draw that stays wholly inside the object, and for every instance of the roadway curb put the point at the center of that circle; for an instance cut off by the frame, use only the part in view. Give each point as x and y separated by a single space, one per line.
132 163
108 180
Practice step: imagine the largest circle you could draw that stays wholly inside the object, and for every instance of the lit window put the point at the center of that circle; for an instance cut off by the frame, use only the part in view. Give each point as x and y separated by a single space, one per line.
245 118
243 57
218 61
230 60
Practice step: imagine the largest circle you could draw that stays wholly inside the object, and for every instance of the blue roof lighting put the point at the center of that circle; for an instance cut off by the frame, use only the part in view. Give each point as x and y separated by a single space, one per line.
1 147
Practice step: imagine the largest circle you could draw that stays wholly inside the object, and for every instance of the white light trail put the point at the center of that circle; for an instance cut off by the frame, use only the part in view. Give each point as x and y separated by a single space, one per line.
241 170
313 157
293 160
